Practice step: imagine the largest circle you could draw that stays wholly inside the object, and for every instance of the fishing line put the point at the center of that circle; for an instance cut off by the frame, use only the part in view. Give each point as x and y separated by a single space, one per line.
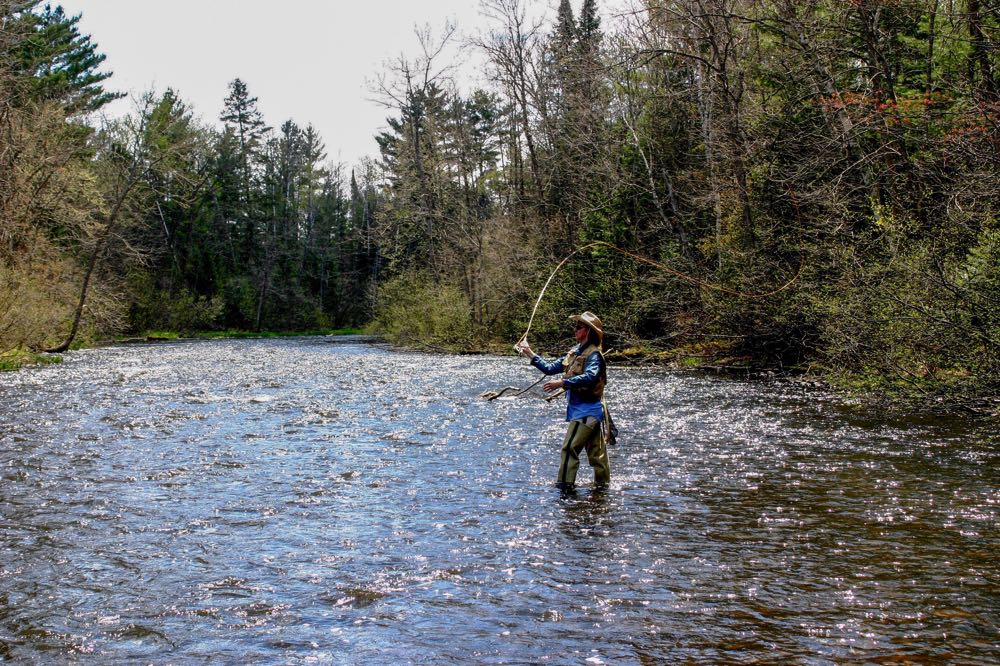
655 264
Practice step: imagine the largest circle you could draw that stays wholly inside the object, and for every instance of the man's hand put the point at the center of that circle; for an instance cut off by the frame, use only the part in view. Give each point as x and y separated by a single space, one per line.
524 348
553 386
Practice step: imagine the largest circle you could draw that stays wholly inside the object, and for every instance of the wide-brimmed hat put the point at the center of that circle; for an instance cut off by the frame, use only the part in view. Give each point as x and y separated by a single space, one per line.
590 320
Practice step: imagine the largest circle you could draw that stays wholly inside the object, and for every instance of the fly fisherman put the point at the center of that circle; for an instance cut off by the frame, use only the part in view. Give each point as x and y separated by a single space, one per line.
584 376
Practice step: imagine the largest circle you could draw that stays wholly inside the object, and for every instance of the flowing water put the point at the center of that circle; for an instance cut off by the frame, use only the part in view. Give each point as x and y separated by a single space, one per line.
306 501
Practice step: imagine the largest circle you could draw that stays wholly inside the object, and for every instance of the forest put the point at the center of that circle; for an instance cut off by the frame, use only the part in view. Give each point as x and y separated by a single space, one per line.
812 187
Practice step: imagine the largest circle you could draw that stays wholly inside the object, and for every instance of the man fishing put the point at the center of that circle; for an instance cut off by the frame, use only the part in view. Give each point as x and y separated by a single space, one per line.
584 377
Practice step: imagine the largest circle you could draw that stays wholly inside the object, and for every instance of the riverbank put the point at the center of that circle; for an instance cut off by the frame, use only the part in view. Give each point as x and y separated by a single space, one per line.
161 336
15 359
928 395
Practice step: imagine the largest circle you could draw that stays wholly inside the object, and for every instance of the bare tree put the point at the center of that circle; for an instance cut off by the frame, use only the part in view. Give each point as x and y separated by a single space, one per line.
130 150
512 47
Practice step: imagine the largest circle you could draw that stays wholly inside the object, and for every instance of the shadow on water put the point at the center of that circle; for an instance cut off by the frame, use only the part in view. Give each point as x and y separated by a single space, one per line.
297 501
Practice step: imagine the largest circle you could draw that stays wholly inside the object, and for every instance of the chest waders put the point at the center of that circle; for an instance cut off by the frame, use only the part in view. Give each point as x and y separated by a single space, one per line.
586 434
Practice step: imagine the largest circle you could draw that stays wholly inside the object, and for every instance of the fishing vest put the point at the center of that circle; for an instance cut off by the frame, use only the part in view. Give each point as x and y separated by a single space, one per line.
574 364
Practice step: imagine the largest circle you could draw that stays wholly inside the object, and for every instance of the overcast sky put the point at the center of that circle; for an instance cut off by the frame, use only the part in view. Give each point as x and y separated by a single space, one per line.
305 60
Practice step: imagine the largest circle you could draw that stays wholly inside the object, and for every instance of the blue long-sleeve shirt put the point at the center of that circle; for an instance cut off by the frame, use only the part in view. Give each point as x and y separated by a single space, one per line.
577 406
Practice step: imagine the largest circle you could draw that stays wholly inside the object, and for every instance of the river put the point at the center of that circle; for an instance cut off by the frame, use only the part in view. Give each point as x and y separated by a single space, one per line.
322 501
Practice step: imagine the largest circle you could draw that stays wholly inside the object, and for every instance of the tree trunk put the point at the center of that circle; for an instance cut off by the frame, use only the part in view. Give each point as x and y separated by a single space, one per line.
81 303
979 57
91 267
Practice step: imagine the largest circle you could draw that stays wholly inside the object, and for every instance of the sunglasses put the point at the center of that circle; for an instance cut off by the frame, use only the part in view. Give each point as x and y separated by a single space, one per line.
579 326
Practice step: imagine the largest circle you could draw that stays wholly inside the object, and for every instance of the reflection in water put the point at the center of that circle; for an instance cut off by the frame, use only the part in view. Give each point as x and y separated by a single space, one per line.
300 501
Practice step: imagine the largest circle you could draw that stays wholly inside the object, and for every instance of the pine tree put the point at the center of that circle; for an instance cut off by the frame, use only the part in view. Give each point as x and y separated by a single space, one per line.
310 182
566 29
411 157
245 124
563 92
589 28
57 62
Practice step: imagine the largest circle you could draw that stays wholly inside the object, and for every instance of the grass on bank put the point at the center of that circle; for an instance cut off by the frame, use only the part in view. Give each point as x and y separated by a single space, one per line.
16 359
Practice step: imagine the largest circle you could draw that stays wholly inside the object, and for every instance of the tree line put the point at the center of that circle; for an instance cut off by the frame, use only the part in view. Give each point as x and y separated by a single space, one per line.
153 220
847 146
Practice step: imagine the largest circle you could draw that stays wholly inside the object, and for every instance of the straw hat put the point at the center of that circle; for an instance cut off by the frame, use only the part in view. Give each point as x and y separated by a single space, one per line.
590 320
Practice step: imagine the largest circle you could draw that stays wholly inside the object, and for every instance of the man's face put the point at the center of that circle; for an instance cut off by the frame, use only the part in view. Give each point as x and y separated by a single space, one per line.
581 332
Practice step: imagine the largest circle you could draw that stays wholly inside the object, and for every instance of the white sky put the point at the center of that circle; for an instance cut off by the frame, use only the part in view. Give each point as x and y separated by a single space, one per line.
305 60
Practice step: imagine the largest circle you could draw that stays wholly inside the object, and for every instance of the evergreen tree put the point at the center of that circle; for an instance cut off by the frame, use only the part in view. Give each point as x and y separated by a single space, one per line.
589 28
566 29
241 115
363 210
412 153
243 145
311 176
59 64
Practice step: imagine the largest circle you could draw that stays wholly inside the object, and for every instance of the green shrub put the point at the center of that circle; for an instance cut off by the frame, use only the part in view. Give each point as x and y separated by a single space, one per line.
414 310
182 312
36 303
916 327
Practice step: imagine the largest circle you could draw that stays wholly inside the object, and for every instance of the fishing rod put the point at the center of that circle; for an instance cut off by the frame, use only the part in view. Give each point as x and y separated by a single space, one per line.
493 395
